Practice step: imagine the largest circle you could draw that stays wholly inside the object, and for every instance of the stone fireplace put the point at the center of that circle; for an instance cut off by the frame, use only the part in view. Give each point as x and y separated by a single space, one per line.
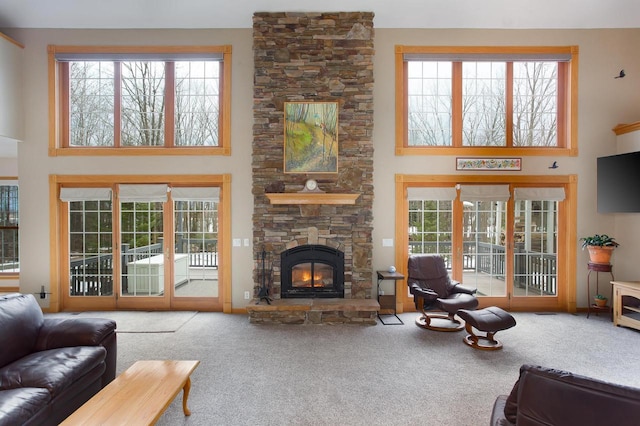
314 57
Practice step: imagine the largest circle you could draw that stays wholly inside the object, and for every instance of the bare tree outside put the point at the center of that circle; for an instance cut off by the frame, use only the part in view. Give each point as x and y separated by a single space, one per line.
484 100
91 103
9 242
483 104
535 105
142 112
143 103
429 109
197 103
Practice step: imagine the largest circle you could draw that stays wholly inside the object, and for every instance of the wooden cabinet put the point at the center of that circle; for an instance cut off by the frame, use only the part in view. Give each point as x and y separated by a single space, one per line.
626 303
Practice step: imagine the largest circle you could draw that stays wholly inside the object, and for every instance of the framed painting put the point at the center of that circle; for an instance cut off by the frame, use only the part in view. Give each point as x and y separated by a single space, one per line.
492 164
311 137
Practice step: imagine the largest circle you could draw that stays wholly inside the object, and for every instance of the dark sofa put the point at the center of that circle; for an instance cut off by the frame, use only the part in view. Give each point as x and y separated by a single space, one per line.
544 396
50 366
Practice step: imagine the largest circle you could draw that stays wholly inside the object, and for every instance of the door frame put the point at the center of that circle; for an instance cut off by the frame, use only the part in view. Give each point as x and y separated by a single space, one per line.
58 230
567 233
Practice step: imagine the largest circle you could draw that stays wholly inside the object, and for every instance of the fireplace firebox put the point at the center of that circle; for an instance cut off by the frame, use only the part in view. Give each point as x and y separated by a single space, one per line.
312 271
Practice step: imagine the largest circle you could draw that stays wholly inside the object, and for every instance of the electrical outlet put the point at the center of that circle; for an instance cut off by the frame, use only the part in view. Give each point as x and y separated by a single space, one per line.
247 295
237 242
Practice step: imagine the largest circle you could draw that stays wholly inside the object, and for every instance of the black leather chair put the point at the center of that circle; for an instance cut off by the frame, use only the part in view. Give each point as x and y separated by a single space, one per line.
433 290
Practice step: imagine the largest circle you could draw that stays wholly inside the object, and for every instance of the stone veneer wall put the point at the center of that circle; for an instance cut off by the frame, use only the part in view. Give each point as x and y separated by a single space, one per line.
324 57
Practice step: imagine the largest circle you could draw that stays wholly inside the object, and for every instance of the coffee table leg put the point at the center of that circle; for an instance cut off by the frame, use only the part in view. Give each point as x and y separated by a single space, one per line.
185 396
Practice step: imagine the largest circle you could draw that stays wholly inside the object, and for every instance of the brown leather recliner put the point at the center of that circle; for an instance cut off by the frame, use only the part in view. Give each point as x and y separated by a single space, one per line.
433 290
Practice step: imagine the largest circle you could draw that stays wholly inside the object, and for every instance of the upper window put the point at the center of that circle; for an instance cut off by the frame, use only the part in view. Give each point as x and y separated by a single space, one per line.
486 100
9 247
172 100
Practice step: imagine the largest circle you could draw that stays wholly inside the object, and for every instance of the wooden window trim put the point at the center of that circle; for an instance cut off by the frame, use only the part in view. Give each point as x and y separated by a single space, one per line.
58 122
567 104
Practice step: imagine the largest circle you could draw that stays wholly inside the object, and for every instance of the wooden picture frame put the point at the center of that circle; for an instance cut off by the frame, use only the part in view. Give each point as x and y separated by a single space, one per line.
311 137
488 164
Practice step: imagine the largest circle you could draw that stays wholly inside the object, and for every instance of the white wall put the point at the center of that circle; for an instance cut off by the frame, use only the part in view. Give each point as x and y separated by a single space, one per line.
603 103
11 112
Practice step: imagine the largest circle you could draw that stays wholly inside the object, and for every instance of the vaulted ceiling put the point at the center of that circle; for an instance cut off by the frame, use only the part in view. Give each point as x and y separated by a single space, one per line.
388 13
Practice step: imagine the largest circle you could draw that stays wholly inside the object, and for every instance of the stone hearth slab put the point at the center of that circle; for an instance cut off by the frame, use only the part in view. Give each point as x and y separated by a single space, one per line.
315 311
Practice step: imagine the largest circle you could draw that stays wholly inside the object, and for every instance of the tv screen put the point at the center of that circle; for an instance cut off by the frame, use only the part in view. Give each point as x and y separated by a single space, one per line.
619 183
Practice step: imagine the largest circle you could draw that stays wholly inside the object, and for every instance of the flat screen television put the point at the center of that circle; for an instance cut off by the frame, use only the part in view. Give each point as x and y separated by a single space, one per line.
619 183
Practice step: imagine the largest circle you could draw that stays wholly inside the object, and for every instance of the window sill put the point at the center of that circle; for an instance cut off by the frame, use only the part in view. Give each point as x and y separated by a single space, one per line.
485 151
139 151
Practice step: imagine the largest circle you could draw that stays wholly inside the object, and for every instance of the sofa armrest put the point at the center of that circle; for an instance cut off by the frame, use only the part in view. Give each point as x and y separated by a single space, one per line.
65 332
459 288
498 417
425 293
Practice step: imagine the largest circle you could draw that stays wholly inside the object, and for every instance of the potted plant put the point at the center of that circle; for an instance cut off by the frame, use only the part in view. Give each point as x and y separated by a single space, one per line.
600 248
601 301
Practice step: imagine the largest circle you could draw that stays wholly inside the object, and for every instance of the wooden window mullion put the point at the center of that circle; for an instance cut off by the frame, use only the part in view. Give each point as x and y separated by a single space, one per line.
509 105
169 103
65 129
456 105
561 113
405 103
117 104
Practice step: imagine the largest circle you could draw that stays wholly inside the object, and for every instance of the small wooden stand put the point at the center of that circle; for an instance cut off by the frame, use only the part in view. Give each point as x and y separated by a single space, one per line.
389 302
597 268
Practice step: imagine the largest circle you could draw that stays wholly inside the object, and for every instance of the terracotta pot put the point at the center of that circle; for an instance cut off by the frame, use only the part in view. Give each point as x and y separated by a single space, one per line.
600 255
601 303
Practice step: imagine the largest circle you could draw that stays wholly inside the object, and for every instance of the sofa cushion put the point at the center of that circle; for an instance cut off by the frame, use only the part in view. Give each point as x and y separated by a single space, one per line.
20 316
19 405
554 397
54 369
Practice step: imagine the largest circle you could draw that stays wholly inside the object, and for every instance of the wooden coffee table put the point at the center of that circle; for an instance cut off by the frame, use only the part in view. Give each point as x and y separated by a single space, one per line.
139 395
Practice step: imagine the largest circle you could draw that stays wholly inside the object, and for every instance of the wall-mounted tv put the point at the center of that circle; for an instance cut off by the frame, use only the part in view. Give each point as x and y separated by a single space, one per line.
619 183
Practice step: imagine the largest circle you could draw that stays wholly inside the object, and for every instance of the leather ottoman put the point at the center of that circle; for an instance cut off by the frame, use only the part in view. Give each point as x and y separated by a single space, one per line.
488 320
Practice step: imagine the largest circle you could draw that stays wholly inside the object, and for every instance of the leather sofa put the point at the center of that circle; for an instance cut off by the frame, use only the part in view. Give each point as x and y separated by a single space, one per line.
50 366
544 396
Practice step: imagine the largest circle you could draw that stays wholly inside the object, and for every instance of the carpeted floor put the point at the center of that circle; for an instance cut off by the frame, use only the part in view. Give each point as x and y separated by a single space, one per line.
370 375
139 321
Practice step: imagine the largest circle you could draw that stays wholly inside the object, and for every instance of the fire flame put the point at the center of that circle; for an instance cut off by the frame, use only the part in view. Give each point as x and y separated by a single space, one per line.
303 279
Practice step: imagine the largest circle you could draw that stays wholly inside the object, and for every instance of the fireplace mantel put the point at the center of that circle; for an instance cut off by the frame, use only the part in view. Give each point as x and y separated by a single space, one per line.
311 198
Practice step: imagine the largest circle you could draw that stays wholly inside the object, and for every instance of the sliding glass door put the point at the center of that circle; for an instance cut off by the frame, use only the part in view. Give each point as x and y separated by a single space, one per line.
501 240
160 252
535 242
196 242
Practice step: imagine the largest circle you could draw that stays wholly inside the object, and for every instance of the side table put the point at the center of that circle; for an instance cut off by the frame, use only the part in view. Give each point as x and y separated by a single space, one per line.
388 301
597 268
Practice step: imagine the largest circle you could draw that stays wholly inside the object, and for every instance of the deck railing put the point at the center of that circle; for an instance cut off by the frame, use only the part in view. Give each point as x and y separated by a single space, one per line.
93 276
532 270
9 261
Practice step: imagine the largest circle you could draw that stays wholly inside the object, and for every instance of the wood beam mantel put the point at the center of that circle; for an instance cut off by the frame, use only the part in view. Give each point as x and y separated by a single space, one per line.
311 198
